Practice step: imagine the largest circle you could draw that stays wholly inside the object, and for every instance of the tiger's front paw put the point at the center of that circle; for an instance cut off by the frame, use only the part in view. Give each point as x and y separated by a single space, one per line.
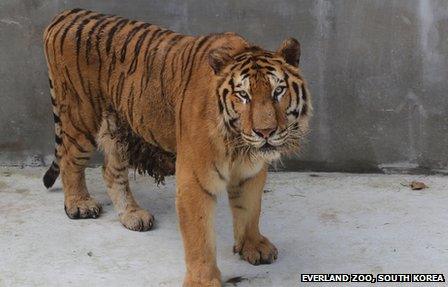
137 220
257 251
207 277
212 283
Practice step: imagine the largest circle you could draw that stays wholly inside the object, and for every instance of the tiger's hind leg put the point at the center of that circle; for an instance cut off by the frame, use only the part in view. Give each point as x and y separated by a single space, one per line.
75 156
115 174
74 146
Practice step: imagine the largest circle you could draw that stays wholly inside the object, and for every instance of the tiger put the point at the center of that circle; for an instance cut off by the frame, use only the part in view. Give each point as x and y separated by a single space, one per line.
214 110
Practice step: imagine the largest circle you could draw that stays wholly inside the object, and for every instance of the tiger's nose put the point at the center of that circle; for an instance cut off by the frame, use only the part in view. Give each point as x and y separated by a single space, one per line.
265 133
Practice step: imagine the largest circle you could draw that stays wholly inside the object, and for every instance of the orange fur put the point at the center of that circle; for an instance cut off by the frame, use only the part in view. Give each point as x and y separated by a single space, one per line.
224 108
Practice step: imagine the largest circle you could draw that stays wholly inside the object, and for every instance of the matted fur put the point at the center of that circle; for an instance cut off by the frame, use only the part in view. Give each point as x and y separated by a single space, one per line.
146 158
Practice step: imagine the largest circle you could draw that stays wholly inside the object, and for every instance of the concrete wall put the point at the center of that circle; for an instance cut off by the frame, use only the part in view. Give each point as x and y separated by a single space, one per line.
378 71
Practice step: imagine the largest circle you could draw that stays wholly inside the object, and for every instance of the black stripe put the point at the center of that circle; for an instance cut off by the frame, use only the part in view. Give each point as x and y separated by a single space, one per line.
148 52
56 154
295 113
55 165
269 68
232 84
129 37
62 17
94 103
137 49
290 96
154 51
192 56
295 74
58 139
85 132
51 83
232 123
72 85
304 95
241 57
248 61
77 164
225 92
82 157
78 47
207 47
202 187
221 176
296 88
92 30
53 101
81 28
305 109
112 31
243 72
109 72
54 37
153 139
55 22
100 61
200 43
221 108
130 107
119 90
185 63
56 118
170 45
173 66
145 59
244 181
64 34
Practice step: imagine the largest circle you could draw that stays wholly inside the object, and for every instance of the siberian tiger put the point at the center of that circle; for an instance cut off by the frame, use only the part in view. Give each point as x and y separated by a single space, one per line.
215 109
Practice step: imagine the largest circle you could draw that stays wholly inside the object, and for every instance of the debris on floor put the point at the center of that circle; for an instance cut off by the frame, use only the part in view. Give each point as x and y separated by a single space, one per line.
417 185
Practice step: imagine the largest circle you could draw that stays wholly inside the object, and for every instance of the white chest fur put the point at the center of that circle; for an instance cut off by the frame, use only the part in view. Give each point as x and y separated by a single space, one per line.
241 170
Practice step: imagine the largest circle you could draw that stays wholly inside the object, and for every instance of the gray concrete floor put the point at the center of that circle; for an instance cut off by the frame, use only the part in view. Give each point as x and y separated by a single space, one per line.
321 223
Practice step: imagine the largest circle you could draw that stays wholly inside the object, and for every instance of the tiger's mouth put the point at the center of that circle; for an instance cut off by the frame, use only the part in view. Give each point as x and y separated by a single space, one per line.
283 143
267 147
275 142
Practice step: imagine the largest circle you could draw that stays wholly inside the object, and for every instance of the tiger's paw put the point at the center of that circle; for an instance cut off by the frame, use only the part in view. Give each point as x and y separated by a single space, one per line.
256 252
211 283
137 220
204 276
76 208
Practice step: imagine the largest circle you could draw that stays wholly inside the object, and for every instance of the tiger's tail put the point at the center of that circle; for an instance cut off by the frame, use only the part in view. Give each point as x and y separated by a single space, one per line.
53 172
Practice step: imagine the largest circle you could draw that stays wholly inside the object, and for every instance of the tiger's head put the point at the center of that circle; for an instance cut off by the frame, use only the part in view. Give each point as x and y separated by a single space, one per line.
263 101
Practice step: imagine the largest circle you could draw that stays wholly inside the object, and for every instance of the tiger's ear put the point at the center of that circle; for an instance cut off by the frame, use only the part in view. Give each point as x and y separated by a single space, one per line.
290 51
218 59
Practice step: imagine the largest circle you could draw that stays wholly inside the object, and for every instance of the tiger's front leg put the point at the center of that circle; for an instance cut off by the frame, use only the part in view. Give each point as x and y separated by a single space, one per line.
245 202
115 174
195 205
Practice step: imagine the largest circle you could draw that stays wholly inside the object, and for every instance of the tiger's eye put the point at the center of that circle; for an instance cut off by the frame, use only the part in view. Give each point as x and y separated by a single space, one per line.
243 93
278 90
